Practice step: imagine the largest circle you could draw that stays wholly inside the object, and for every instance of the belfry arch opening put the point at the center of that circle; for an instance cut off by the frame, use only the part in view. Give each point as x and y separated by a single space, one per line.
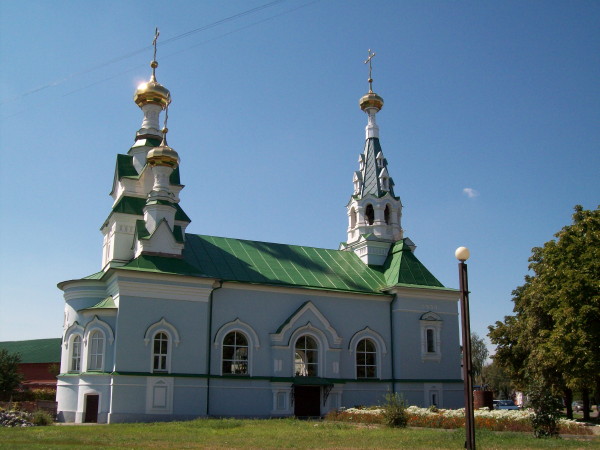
387 214
352 218
369 214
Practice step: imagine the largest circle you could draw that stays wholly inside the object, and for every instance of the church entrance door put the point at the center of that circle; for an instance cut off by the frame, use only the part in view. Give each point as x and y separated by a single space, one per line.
91 408
307 401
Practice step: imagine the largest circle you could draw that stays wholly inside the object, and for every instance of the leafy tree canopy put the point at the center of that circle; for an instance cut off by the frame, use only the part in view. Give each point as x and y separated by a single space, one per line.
10 377
479 354
555 331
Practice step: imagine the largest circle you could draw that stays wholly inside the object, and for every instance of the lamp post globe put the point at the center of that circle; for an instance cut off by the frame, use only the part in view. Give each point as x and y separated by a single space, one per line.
462 253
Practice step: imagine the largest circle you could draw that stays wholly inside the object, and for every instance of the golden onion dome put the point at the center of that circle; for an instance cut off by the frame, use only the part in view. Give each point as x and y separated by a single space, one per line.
163 155
152 92
370 100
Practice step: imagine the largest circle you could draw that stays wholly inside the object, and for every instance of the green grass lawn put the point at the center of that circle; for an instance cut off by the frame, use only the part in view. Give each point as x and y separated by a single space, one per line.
286 433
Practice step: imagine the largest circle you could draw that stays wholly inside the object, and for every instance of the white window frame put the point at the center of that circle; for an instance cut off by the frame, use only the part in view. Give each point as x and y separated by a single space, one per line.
72 356
245 329
317 364
162 326
98 353
365 365
236 348
381 348
431 322
160 355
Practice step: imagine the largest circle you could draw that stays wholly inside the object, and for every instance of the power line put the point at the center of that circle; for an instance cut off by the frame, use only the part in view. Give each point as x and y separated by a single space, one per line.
141 50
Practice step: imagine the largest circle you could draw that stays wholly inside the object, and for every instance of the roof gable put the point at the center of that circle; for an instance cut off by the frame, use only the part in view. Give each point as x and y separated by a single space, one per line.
403 267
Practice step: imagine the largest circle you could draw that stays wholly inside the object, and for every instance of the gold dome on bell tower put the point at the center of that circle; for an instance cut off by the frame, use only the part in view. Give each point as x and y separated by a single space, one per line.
370 99
152 92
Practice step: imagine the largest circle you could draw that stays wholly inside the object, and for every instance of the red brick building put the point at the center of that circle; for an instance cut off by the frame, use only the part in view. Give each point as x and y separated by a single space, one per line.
40 361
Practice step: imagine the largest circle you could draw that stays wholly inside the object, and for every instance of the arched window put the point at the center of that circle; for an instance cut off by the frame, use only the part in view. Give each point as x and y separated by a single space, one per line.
75 354
386 214
370 214
235 354
306 357
352 217
160 352
96 350
430 340
366 359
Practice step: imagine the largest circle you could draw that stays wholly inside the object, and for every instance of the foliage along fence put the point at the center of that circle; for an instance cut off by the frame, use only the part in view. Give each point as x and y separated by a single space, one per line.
495 420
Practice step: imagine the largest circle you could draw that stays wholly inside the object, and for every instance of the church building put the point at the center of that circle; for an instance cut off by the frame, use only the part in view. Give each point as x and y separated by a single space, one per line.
179 325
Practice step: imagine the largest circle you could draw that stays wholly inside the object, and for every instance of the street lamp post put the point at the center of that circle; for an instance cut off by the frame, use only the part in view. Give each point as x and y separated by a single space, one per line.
462 254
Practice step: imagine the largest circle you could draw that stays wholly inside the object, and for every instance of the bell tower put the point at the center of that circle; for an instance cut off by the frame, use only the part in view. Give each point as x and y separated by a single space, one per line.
146 218
374 212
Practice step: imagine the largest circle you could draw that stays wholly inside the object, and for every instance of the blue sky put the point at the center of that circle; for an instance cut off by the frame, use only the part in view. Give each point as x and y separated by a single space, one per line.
491 127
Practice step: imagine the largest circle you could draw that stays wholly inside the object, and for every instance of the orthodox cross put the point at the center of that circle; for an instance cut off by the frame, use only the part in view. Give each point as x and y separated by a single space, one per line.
154 63
368 60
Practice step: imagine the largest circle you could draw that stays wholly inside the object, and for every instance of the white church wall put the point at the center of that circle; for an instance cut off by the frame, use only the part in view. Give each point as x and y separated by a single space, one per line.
408 336
188 318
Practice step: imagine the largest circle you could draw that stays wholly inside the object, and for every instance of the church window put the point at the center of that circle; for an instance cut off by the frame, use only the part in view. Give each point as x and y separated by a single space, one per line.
76 354
370 214
306 357
96 351
352 218
366 359
430 340
386 214
235 354
379 159
160 352
431 327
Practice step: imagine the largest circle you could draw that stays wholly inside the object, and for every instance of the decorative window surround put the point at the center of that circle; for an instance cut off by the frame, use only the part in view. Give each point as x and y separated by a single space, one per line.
431 325
159 395
162 325
284 334
377 339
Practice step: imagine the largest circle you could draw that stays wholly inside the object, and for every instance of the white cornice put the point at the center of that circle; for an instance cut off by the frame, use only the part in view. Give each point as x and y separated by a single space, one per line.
176 290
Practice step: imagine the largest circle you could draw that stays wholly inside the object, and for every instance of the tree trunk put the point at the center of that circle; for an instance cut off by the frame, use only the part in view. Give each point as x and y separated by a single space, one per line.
586 403
569 402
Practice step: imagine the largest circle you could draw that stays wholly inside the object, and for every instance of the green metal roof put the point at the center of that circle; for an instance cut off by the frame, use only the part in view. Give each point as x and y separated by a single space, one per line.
125 167
403 267
135 206
280 264
370 182
160 264
35 351
107 303
255 262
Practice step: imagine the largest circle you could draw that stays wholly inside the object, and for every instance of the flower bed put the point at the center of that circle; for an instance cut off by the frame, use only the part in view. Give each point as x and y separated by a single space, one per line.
15 419
495 420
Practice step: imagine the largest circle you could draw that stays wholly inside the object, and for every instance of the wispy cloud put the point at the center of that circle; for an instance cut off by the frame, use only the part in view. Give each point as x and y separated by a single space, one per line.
470 192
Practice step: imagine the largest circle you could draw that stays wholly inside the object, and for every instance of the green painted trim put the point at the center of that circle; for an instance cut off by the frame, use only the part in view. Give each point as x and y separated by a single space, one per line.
294 380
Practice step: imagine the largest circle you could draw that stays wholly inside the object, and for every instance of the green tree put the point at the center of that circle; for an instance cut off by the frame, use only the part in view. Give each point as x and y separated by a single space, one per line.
479 354
10 377
496 379
554 334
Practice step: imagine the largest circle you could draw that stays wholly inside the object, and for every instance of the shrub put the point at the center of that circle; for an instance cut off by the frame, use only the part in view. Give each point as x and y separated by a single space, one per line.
546 411
394 410
43 394
42 418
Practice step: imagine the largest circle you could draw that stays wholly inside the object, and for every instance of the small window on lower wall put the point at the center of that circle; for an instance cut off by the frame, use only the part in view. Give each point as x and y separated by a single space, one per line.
366 359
